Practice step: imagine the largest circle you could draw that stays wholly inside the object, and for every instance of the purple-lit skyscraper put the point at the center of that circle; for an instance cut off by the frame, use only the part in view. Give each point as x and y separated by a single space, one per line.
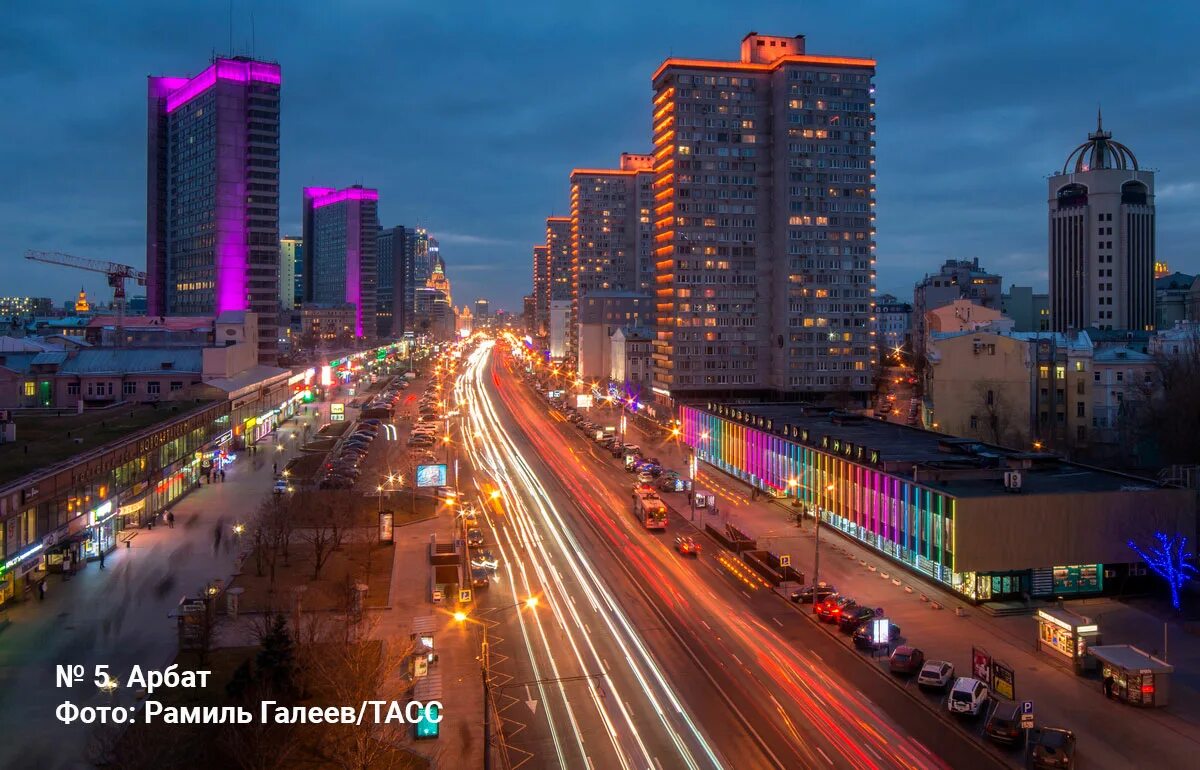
212 224
341 229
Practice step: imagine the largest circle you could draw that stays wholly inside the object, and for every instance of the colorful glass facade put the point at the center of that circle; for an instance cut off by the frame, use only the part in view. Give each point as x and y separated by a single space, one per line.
897 517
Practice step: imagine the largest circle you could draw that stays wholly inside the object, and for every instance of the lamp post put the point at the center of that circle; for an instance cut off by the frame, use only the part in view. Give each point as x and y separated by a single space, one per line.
817 550
692 470
485 670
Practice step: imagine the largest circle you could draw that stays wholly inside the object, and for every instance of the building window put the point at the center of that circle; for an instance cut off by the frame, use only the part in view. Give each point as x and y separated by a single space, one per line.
1120 376
991 398
1044 372
30 389
152 388
176 386
974 422
1079 409
72 388
128 388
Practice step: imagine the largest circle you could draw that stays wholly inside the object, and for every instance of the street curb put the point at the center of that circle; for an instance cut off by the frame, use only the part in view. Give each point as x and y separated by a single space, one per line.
991 750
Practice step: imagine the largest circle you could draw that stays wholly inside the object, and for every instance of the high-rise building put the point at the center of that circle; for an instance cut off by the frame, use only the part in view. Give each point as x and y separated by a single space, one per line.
212 223
540 322
764 232
291 270
529 314
558 244
341 228
394 290
1101 238
610 229
956 279
482 311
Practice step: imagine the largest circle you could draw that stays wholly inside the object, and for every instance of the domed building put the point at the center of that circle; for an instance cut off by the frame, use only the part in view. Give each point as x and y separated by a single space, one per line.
1101 228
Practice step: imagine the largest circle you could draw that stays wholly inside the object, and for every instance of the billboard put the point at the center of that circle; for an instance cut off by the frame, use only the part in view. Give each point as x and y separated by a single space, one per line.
583 401
431 475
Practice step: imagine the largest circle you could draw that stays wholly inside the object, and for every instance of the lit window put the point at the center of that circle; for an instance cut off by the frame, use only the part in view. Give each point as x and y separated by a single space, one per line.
30 389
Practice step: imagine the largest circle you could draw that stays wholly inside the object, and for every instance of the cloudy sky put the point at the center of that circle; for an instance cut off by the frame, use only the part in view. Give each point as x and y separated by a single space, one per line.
468 116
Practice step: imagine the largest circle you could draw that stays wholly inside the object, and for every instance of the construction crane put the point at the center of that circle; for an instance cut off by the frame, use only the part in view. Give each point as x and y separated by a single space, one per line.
117 275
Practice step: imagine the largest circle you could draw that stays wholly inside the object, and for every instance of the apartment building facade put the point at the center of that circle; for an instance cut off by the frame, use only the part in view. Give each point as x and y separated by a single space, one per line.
764 224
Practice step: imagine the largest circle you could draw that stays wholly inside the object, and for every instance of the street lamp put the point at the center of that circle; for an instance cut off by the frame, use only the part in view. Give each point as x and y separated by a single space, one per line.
817 549
485 670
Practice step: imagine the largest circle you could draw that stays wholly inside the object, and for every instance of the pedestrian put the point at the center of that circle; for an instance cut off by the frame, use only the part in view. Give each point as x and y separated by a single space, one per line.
222 475
171 519
42 590
102 558
275 468
1108 686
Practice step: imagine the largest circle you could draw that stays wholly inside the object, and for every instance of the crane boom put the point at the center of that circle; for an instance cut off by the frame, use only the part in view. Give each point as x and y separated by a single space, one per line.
93 265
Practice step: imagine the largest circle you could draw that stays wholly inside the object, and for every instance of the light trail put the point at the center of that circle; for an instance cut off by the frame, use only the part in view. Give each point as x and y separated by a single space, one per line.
533 517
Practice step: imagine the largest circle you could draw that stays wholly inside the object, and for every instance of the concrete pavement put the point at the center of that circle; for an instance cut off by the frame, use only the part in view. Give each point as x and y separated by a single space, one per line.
120 615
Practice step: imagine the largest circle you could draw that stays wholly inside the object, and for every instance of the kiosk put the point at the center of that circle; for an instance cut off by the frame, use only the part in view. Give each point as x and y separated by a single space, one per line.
1139 679
1067 637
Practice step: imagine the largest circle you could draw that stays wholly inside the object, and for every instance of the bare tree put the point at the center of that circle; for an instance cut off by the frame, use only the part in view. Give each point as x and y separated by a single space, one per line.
1169 417
273 524
997 424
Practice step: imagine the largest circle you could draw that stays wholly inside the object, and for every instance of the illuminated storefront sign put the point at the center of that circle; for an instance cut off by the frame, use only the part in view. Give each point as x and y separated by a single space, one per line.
14 561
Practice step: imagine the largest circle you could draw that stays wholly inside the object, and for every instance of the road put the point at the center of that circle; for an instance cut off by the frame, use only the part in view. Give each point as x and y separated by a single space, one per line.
750 682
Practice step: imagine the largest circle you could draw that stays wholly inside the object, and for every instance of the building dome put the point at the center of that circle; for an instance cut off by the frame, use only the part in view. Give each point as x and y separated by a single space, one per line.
1100 151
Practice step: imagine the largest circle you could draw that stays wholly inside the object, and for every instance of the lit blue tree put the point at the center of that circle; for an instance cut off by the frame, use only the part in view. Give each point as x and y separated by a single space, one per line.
1170 560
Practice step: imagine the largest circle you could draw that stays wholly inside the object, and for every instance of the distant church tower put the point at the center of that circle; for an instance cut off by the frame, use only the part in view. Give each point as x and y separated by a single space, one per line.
1101 238
81 303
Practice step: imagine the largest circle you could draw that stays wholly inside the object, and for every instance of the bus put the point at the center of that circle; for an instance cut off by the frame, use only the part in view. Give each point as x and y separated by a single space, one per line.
650 510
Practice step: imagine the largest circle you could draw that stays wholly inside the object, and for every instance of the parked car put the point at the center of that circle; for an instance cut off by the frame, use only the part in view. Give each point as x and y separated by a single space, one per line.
687 546
967 696
831 609
484 560
936 675
281 486
864 636
1051 747
906 660
480 577
820 592
645 477
1004 723
853 617
475 538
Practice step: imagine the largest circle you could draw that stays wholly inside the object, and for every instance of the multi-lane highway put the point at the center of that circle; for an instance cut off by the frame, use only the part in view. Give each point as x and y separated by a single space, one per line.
637 657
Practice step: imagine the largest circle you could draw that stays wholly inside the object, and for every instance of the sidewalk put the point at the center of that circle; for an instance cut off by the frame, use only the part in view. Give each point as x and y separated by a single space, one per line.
1109 734
119 616
457 665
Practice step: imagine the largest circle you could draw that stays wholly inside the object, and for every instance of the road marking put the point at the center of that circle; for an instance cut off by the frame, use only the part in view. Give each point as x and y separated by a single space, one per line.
777 622
823 754
706 626
746 595
873 751
815 655
735 658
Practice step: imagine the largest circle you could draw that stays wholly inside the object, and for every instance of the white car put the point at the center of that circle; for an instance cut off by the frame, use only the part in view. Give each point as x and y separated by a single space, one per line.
967 696
935 675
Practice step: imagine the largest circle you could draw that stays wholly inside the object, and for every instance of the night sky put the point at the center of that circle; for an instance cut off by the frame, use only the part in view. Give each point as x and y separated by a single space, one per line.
469 116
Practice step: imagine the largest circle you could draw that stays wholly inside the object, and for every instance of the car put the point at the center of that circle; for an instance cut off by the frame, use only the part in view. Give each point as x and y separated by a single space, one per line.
1004 723
281 486
935 675
1051 747
819 592
864 636
642 489
853 617
484 560
967 696
480 577
645 477
906 660
475 537
687 546
632 449
831 609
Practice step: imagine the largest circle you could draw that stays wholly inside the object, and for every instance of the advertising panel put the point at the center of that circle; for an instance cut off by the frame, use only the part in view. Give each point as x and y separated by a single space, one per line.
431 475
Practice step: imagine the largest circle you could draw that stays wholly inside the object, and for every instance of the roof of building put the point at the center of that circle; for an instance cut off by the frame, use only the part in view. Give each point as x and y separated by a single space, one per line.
1176 280
636 333
252 376
1100 152
958 467
1078 342
167 323
25 345
1118 355
1130 658
111 361
49 357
